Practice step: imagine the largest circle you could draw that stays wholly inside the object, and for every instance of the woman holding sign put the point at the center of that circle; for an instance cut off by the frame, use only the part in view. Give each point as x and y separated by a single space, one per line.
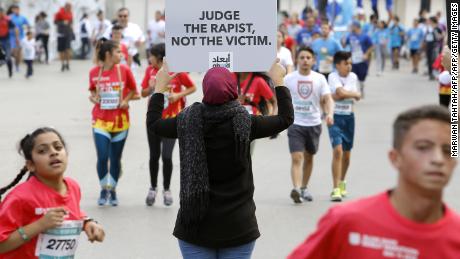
217 217
112 86
180 87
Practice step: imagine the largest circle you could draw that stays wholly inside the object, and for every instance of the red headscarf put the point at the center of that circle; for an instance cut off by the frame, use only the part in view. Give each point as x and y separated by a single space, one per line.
219 86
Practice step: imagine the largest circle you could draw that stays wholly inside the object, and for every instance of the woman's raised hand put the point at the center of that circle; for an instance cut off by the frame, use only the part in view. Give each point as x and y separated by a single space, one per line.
277 73
163 77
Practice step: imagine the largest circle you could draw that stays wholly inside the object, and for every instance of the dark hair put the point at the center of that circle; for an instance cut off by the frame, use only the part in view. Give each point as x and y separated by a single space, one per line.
85 15
100 12
29 33
282 35
285 14
409 118
305 48
104 47
26 145
158 51
396 18
434 19
117 27
340 56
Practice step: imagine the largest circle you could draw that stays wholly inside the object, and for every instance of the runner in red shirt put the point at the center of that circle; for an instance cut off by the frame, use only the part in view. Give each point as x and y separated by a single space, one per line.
112 86
409 221
181 86
44 212
63 20
252 89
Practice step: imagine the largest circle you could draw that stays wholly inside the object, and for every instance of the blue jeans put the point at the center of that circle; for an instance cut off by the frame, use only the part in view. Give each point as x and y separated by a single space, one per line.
109 147
5 45
191 251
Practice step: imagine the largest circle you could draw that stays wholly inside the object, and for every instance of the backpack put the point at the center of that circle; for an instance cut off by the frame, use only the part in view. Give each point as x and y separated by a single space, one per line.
4 26
262 106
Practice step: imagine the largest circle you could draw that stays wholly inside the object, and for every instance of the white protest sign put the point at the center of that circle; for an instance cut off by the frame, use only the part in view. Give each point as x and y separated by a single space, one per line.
237 34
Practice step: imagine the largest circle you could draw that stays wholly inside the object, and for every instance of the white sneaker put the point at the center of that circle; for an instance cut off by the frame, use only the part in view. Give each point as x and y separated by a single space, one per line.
306 196
167 197
151 195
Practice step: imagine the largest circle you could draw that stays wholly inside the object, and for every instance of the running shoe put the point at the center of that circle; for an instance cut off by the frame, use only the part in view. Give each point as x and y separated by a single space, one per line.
335 195
103 197
113 198
295 196
167 197
306 196
151 195
343 188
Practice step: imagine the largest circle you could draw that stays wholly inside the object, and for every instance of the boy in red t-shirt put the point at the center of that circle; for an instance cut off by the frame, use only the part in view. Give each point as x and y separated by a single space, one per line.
181 86
63 20
409 221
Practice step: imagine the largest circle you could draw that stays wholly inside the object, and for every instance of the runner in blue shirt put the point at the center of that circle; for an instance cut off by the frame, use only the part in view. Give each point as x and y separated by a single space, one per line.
396 40
415 39
306 35
6 25
361 47
21 23
380 40
325 47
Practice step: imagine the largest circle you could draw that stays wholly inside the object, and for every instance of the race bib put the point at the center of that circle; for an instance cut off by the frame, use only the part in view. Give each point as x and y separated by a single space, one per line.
303 108
60 242
429 37
325 66
344 107
414 37
110 100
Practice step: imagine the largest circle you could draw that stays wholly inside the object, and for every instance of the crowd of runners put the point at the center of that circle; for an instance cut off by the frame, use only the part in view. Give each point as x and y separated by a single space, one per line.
319 77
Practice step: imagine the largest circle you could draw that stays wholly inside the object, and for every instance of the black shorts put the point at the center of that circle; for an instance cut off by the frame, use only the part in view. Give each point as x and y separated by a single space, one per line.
414 52
360 69
304 138
63 43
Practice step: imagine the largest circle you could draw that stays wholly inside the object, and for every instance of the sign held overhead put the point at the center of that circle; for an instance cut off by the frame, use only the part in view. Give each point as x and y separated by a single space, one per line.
239 35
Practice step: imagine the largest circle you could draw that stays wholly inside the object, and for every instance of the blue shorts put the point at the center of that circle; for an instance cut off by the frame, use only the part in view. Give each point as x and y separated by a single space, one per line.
360 69
342 132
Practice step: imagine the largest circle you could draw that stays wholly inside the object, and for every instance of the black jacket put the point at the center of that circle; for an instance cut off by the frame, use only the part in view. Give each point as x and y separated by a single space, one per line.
230 220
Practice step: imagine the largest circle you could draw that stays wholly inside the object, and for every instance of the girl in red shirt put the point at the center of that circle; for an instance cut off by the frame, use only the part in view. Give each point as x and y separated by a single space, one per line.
180 87
112 86
41 217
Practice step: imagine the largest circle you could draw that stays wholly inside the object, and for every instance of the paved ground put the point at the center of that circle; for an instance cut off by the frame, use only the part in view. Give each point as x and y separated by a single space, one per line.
136 231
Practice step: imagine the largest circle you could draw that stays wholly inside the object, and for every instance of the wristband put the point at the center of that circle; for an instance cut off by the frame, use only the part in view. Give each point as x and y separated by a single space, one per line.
23 234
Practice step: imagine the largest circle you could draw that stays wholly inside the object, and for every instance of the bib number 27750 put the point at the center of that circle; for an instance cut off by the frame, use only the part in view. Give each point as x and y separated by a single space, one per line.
59 243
